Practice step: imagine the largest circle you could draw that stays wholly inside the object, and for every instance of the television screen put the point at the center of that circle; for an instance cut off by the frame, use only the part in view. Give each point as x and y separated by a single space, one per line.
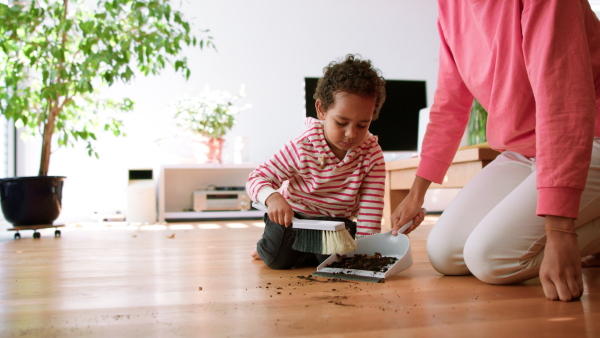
398 124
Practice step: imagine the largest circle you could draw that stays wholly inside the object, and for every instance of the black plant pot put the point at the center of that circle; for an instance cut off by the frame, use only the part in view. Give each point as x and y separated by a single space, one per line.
31 200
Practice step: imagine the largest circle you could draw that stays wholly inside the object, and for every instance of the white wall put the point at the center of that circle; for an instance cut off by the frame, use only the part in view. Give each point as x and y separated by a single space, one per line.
269 46
595 6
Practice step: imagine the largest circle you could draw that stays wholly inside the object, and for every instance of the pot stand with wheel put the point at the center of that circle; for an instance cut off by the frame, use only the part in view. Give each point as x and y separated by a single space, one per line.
35 229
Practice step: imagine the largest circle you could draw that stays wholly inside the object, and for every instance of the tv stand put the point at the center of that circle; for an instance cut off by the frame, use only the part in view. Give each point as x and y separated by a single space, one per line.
177 184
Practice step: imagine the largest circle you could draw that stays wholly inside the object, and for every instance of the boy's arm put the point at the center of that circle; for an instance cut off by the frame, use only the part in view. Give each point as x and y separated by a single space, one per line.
267 178
370 208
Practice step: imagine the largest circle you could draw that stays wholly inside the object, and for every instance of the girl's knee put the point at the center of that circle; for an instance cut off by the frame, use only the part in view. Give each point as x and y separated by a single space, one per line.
492 266
445 258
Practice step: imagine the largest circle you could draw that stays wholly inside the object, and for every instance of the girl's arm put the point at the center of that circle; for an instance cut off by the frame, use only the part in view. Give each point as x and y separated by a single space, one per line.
557 57
410 207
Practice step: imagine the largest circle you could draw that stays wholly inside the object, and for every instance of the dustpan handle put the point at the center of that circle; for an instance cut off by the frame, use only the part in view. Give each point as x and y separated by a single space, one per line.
407 225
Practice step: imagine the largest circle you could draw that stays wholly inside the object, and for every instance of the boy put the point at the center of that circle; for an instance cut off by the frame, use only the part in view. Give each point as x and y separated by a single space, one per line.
333 171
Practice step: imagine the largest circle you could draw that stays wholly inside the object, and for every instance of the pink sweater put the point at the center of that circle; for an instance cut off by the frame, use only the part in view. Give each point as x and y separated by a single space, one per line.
535 67
344 188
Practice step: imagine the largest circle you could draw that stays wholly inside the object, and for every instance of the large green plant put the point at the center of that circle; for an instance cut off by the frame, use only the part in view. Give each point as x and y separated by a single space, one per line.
56 54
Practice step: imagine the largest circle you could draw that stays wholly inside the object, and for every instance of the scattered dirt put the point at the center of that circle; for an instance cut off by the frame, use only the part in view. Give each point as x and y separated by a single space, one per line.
377 262
332 299
336 300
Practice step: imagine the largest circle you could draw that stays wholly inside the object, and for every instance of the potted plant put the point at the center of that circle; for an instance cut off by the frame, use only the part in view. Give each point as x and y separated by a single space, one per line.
476 128
209 115
55 55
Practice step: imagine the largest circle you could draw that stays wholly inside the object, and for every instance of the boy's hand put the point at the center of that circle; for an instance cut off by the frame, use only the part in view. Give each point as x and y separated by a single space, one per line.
279 210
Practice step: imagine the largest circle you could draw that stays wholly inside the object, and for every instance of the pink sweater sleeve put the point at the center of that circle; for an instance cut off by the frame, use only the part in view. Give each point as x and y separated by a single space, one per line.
557 57
448 118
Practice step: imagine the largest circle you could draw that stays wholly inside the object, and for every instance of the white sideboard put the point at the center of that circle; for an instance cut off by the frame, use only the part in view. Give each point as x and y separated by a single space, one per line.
177 184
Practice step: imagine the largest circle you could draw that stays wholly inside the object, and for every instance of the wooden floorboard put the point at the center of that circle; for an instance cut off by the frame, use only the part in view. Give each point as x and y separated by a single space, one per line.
197 280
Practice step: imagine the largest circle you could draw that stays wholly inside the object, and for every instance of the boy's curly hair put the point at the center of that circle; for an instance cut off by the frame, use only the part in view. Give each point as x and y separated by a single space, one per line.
354 76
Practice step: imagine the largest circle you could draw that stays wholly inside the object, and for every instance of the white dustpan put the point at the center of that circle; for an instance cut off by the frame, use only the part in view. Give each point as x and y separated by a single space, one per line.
386 244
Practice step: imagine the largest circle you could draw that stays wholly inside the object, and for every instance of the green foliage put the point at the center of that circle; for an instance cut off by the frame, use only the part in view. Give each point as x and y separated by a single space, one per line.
56 54
211 113
476 128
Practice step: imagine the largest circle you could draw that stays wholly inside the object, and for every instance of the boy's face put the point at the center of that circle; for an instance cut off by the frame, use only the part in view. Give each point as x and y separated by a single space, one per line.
347 122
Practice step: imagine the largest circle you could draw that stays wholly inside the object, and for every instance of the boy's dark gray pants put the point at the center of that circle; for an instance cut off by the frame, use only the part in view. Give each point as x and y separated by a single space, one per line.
275 246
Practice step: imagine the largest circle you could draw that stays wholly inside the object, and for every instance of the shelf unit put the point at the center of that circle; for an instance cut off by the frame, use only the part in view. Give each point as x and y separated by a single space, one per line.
177 184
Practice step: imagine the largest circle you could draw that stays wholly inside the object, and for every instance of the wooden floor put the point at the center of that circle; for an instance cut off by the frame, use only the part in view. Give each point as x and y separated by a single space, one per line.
197 280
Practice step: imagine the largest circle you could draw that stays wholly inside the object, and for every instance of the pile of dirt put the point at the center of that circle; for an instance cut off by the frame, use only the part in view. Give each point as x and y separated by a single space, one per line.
377 262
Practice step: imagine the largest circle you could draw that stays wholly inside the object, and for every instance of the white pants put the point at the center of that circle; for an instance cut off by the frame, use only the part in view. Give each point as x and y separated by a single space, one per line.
491 229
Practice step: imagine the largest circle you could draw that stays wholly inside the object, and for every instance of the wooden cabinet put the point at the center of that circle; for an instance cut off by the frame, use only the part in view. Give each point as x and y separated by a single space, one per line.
177 184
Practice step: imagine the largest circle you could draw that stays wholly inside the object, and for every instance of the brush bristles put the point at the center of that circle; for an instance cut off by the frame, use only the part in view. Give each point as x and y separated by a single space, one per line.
324 242
338 242
308 240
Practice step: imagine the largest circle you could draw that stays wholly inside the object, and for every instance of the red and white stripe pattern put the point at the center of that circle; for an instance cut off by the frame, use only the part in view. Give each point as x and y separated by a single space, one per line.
316 183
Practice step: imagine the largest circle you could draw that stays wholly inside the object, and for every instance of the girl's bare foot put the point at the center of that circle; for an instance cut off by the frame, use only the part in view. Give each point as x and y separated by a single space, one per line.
255 255
591 261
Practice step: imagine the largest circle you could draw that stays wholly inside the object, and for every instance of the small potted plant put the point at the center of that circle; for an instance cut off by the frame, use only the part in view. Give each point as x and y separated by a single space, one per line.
476 129
209 115
54 57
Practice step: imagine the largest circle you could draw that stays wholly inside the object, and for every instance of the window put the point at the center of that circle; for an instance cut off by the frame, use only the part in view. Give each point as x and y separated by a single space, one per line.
7 153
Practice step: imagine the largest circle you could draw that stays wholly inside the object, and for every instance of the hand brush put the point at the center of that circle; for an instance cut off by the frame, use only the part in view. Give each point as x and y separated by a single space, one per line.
317 236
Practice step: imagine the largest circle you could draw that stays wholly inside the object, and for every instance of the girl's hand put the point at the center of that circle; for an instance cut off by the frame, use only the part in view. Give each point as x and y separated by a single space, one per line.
404 213
410 207
279 210
560 272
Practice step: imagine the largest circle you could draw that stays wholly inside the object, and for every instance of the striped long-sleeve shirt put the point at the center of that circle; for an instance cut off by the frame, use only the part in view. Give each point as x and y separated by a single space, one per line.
316 183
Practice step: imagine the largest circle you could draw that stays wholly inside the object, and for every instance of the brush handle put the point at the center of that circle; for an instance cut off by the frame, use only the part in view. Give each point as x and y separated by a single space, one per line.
310 224
407 225
313 224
